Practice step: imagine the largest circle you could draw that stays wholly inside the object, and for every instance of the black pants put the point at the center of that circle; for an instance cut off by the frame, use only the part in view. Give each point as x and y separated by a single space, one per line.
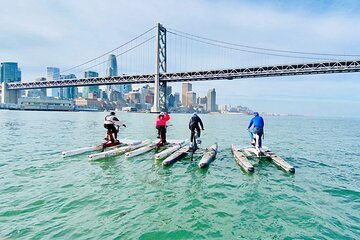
162 133
192 129
112 128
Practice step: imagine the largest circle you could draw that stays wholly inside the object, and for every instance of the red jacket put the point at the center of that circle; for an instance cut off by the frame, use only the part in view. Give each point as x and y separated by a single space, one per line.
161 120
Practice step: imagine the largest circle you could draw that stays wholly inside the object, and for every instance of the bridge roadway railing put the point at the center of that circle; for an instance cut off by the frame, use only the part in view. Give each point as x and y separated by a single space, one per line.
265 71
229 74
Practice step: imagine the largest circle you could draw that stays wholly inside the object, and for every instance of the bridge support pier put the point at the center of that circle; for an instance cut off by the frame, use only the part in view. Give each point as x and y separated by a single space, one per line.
8 96
160 64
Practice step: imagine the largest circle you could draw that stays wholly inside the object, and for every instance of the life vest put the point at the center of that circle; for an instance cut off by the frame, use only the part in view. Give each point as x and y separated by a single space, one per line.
161 121
109 119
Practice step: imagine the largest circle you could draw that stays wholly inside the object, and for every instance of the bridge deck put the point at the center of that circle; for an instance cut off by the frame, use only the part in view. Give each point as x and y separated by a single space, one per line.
221 74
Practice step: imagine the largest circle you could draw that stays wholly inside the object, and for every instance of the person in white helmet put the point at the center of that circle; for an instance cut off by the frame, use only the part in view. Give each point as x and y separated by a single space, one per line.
109 123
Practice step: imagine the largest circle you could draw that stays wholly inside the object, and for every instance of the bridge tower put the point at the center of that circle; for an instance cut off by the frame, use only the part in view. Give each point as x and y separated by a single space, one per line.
8 96
160 67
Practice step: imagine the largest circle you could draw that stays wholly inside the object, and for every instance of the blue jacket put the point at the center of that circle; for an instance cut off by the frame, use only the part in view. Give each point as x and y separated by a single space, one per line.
257 121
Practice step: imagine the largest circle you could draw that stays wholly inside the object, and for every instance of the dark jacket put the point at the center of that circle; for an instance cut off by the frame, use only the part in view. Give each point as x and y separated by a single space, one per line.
194 122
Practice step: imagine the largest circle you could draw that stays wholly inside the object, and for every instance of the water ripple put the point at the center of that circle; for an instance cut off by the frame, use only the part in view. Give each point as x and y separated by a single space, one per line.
44 196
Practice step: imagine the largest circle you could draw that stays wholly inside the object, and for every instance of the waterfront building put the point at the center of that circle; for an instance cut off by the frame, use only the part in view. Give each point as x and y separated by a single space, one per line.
87 103
91 89
10 72
211 100
53 74
45 104
185 87
68 92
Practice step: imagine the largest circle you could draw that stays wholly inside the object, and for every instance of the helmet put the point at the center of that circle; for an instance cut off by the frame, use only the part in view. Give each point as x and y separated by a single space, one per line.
256 114
162 114
112 113
194 114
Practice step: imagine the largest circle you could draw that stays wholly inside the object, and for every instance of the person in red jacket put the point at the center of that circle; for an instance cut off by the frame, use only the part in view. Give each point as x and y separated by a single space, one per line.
161 126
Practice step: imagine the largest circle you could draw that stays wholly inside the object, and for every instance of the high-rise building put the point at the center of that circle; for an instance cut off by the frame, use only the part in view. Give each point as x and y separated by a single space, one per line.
177 99
10 72
125 88
112 70
211 100
134 97
68 92
53 74
185 87
168 90
171 100
202 100
94 89
191 99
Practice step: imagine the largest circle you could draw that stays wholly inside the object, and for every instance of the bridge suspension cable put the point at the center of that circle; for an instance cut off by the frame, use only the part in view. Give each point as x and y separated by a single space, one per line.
112 51
117 55
250 51
195 37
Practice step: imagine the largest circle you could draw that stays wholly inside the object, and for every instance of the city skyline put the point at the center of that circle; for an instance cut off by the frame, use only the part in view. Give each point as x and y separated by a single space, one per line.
320 26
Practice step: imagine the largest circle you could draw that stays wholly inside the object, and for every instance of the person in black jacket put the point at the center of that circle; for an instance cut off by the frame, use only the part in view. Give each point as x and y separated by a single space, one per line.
194 125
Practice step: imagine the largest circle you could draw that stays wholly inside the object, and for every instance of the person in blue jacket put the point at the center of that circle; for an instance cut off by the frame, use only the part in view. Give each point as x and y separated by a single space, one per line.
258 128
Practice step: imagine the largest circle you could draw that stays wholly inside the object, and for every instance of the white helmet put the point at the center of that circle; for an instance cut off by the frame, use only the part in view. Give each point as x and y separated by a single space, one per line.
162 114
194 114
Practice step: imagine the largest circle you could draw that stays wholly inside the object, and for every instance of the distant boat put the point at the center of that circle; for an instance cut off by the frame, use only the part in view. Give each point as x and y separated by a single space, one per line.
129 109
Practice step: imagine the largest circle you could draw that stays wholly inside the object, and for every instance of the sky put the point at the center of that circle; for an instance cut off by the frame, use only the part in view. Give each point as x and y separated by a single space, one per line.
65 33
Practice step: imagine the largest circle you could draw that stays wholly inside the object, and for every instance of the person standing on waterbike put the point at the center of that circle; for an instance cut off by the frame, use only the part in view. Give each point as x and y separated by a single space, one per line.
161 126
195 120
258 128
109 123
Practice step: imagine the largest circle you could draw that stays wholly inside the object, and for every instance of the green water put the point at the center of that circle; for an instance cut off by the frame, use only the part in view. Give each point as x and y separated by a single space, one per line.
43 196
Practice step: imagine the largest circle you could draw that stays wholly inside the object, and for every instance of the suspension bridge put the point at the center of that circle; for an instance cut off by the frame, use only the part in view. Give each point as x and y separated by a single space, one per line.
176 56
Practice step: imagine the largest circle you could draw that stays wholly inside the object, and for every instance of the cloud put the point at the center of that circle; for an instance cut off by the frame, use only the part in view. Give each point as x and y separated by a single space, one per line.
40 33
